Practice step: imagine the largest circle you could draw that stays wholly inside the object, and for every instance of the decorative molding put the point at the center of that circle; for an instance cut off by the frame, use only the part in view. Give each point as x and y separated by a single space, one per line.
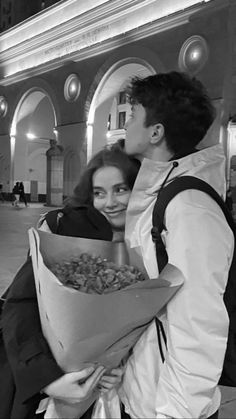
193 54
72 88
89 31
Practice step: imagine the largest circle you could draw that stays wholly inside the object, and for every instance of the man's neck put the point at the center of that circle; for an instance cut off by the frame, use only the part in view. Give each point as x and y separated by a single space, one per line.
161 154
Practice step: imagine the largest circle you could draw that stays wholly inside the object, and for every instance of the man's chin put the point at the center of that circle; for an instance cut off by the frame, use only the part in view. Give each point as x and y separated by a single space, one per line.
129 152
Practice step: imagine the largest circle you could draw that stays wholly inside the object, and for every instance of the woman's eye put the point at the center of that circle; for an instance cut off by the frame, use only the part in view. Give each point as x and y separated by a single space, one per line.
98 194
122 189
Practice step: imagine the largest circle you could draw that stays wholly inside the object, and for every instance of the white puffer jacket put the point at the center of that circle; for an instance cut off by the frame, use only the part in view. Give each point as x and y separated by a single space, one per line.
200 243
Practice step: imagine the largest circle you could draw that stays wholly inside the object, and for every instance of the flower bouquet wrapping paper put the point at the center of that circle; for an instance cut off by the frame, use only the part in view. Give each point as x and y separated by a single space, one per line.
84 329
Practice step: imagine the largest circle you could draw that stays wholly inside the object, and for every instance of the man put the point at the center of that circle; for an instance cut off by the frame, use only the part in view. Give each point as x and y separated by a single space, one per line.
1 192
171 114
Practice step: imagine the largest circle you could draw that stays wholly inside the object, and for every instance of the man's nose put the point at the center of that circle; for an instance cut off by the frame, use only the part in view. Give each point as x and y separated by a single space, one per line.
126 124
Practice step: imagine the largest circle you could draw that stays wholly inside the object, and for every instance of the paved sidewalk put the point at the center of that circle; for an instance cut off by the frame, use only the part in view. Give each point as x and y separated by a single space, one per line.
14 224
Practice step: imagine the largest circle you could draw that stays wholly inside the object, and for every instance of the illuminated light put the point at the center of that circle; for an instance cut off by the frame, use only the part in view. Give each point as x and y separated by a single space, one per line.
193 54
108 134
3 106
30 136
72 87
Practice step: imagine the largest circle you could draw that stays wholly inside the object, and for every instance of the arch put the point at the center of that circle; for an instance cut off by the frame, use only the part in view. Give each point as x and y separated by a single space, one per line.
36 84
32 96
109 80
33 126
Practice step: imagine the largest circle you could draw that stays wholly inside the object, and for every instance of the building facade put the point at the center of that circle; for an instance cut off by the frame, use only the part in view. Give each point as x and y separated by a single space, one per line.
63 73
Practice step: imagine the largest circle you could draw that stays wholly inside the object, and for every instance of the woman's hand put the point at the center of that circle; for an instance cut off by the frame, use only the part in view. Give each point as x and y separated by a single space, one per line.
75 386
111 380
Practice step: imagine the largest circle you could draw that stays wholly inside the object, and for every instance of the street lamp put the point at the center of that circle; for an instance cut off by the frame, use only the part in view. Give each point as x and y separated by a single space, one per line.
32 137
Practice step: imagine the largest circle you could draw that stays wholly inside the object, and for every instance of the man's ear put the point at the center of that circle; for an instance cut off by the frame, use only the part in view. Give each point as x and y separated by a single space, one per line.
157 133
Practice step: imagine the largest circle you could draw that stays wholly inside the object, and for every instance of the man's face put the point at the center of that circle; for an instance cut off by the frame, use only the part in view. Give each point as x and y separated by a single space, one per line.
137 140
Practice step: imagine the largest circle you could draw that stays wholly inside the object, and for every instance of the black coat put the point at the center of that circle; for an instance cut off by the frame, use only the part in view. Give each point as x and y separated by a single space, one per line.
26 362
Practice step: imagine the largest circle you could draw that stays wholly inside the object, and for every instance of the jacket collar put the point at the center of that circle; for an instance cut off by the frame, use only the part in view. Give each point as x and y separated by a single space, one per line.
207 164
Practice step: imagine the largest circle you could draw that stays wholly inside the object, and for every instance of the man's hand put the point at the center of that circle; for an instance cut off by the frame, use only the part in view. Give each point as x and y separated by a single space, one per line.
75 386
107 382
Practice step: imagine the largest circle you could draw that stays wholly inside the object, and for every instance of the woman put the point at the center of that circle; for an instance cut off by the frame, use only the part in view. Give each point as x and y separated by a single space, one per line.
97 211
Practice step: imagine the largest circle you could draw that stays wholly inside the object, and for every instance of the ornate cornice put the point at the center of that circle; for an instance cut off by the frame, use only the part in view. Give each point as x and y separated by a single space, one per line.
94 26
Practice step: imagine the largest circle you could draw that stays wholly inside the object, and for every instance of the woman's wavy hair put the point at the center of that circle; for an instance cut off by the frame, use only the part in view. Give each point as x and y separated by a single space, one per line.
177 101
110 156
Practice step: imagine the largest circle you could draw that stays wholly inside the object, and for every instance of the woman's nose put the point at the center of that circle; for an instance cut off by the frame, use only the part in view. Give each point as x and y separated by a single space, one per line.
111 200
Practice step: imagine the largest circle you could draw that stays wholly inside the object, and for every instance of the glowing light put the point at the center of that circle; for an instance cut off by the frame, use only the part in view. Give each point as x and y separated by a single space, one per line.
108 134
3 106
72 88
195 55
30 136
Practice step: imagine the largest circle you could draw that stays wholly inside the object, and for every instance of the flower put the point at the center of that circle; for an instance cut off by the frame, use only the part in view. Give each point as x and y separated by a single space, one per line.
95 275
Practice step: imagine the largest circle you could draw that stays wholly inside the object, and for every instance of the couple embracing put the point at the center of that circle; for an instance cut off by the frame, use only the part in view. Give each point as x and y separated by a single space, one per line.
171 113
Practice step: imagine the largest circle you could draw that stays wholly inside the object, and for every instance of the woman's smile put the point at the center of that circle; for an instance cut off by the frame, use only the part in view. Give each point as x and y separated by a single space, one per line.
111 195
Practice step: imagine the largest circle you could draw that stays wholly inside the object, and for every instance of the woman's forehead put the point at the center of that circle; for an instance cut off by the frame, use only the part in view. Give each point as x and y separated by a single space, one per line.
107 176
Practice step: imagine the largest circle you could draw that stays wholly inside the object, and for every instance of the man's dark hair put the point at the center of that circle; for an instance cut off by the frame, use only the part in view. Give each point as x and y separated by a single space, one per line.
177 101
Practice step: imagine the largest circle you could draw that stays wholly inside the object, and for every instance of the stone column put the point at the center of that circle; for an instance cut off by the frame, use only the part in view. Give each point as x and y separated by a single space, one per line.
71 137
54 175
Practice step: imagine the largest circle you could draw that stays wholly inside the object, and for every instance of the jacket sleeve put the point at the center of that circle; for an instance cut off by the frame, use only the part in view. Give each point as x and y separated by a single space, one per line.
200 243
31 361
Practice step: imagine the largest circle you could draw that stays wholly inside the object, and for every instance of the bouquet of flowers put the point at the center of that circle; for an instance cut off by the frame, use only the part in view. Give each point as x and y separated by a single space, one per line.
95 275
95 300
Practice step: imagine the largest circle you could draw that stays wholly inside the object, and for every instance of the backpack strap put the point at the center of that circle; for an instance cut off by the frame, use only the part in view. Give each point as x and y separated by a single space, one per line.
178 185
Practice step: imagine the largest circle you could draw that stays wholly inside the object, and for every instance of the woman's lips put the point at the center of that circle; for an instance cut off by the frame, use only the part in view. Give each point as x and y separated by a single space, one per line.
114 213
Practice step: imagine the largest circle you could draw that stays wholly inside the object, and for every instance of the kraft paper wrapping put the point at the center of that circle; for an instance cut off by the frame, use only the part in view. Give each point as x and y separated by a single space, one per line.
84 329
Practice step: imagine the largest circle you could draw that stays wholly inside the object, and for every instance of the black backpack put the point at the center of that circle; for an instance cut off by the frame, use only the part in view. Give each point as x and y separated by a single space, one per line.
228 376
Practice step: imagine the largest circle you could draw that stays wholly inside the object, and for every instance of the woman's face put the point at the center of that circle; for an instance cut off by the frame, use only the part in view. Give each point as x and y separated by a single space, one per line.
111 195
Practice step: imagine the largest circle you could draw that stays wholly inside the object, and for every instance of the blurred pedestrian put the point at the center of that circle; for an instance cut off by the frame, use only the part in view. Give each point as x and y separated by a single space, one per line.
16 194
22 193
1 193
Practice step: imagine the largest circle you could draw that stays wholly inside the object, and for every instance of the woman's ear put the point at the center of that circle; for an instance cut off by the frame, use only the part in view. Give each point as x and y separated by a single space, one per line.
157 133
